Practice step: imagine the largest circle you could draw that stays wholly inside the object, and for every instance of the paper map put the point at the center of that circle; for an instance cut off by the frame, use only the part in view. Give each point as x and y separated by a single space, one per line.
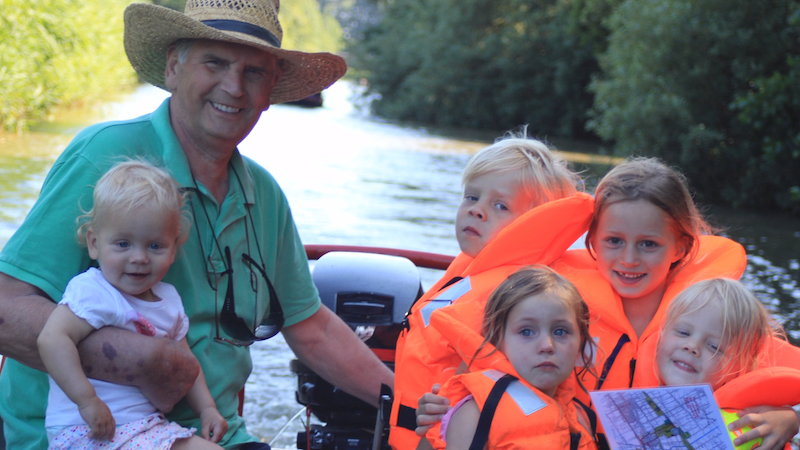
684 417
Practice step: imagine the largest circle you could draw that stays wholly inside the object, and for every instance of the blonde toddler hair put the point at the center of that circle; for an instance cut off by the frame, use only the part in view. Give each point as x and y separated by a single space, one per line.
129 185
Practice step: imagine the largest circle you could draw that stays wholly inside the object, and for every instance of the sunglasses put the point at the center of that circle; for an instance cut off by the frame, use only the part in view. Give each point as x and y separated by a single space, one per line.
236 327
241 333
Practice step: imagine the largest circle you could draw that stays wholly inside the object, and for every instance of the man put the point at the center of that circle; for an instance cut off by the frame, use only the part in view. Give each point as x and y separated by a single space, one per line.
222 63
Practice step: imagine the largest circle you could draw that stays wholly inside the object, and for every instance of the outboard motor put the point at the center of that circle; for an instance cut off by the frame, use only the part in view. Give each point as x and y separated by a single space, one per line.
372 294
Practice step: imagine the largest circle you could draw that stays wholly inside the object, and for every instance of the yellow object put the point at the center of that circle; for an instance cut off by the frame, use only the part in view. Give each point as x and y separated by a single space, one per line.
729 415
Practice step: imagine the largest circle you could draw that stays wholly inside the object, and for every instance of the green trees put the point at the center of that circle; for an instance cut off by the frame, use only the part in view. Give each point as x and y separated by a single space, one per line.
711 86
488 64
47 60
707 86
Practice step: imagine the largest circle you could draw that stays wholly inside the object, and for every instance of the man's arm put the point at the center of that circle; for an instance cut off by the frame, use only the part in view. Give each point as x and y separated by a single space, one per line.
329 347
161 368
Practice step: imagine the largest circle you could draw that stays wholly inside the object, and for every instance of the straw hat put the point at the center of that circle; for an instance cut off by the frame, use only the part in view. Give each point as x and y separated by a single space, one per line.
151 29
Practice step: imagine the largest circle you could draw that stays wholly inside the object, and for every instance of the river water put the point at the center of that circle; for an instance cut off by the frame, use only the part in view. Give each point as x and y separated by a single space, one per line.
352 179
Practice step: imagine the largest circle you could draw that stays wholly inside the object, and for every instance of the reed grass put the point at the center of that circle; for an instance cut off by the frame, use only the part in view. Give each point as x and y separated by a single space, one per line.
58 52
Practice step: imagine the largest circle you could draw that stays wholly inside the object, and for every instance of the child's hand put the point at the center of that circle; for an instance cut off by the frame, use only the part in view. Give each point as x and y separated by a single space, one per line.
430 410
775 425
99 419
212 425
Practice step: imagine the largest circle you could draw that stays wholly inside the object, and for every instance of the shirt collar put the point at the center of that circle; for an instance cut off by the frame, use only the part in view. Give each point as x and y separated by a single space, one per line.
176 163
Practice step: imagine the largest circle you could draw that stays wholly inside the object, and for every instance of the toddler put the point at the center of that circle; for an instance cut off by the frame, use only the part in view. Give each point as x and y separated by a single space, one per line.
134 231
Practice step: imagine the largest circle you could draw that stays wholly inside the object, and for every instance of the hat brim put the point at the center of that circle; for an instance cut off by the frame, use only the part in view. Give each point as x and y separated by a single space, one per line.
151 29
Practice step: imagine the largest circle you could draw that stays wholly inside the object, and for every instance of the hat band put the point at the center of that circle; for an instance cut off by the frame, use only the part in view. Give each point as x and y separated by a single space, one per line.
246 28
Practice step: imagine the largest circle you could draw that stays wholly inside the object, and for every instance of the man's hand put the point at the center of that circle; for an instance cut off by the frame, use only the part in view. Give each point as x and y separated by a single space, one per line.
161 368
328 346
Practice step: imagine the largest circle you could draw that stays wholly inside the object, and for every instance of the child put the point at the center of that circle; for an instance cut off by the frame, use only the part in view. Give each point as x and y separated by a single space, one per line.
133 231
645 245
717 332
540 324
520 207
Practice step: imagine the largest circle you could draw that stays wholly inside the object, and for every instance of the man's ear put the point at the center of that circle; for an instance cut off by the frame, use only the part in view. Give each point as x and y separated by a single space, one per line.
171 70
91 243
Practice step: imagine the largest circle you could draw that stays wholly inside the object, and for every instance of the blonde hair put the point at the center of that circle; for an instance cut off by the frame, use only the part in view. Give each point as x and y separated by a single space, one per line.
651 180
523 284
543 174
747 327
129 185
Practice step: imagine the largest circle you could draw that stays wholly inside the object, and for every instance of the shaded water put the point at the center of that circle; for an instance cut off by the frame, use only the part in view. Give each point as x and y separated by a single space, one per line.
354 180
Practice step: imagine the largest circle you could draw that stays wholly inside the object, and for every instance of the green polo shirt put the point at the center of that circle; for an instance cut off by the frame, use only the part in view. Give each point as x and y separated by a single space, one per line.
44 252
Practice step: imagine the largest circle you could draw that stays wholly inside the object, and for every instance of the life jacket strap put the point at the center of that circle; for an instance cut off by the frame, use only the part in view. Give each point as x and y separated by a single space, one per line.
407 417
487 414
624 339
408 313
592 417
574 441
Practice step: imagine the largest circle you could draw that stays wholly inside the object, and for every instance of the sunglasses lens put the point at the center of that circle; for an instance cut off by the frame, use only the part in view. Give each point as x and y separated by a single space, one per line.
235 327
267 331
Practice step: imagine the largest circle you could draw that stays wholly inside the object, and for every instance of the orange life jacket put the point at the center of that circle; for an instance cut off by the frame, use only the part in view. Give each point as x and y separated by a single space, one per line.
616 358
524 417
537 237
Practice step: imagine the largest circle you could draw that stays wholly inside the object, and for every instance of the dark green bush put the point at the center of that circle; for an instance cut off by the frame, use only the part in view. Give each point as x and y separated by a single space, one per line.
489 64
711 87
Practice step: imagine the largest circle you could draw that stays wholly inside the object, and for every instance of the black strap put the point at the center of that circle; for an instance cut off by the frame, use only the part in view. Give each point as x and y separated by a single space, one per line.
406 417
592 417
602 442
624 339
487 413
633 370
246 28
574 441
452 281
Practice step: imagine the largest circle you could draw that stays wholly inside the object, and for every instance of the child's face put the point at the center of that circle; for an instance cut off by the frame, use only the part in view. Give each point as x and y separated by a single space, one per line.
635 247
135 250
542 341
491 201
692 351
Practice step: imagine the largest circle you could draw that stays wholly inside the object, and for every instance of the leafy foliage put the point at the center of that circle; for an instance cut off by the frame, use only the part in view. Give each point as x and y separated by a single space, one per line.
46 60
491 64
306 27
711 87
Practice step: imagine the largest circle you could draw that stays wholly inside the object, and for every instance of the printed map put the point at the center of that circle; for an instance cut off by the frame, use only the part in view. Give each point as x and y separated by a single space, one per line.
685 417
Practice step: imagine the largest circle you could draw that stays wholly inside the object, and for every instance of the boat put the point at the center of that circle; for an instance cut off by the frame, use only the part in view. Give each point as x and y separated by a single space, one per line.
312 101
371 289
